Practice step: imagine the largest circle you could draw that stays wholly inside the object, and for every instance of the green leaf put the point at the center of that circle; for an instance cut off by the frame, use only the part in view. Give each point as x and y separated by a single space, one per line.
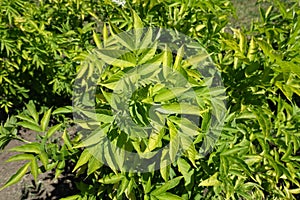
288 66
241 164
146 42
262 14
44 158
126 40
95 137
28 148
52 130
252 159
97 117
138 27
252 51
105 34
112 179
147 186
138 24
246 115
165 172
178 59
168 196
17 176
185 169
97 40
168 94
73 197
123 186
20 157
234 150
148 70
186 126
268 50
211 181
83 159
32 110
34 169
60 168
93 165
264 122
147 54
167 60
282 8
167 186
189 147
115 61
26 118
174 141
155 140
130 188
267 15
45 120
63 110
295 191
67 140
194 60
31 126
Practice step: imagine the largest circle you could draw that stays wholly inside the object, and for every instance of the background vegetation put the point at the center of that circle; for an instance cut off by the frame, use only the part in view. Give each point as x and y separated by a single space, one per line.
43 44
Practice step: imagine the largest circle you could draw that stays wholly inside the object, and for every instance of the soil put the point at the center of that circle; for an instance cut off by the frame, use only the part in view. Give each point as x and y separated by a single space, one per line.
7 170
47 188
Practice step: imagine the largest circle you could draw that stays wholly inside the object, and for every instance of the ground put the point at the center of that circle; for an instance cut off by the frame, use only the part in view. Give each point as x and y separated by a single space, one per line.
47 187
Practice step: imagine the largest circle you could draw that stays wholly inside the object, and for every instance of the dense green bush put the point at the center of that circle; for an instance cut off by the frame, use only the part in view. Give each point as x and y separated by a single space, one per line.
39 41
51 34
255 157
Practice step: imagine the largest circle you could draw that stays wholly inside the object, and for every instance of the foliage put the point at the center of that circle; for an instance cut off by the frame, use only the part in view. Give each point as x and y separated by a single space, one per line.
40 66
257 154
263 96
44 154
